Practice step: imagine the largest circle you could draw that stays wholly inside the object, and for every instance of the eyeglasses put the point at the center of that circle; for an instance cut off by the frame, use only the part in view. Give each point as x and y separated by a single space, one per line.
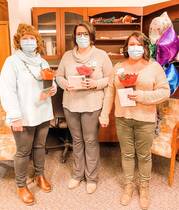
85 34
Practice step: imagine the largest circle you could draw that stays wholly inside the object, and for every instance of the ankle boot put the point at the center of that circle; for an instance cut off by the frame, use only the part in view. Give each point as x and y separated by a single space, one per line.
144 195
43 183
26 195
127 194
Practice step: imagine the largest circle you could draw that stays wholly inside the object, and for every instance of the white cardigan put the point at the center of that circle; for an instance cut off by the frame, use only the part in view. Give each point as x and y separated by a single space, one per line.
20 93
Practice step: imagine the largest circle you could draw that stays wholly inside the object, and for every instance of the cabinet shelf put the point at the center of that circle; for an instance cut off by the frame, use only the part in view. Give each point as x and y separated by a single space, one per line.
50 57
117 24
47 34
70 24
47 24
112 39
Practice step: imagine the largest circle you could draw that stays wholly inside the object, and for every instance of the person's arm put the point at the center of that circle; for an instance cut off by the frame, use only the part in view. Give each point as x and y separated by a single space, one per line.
60 74
161 89
108 102
107 71
8 93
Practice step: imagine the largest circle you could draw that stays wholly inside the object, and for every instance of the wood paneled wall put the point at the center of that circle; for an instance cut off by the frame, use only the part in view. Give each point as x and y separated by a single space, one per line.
3 10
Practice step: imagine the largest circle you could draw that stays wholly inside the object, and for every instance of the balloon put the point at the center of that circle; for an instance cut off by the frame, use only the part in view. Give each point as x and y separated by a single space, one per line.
167 46
172 77
158 26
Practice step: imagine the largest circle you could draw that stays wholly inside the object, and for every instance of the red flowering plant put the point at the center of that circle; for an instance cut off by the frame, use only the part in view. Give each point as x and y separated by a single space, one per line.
84 70
87 70
47 77
127 80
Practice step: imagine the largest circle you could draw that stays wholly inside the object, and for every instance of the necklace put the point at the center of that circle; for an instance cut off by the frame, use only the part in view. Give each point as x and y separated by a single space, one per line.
28 69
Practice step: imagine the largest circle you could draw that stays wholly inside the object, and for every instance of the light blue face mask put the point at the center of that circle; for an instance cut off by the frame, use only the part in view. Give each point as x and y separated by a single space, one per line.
83 41
135 52
28 45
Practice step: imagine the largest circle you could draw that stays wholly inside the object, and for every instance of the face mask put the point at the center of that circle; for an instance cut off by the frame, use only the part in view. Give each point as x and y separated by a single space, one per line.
82 41
28 45
135 52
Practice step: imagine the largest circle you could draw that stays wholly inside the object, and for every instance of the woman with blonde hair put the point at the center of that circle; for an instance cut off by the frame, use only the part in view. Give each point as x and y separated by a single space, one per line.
135 121
28 109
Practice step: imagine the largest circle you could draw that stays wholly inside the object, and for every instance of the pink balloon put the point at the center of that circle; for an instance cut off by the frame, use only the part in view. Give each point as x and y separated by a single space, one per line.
167 46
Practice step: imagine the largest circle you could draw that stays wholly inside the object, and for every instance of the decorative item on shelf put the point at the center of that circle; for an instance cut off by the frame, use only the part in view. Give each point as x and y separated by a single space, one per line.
113 19
96 20
47 76
48 45
54 49
128 19
118 20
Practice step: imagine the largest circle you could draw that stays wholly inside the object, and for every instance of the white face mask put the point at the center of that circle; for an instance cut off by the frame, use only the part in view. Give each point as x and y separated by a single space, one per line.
28 45
135 52
83 41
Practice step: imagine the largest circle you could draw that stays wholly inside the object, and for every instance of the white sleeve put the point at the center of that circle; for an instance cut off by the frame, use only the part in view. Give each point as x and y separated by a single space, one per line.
8 91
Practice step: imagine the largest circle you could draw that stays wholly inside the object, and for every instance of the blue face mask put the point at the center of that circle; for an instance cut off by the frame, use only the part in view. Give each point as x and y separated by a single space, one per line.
83 41
28 45
135 52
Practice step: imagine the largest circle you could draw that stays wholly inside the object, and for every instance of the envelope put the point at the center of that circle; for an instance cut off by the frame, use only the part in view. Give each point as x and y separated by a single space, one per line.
123 97
75 81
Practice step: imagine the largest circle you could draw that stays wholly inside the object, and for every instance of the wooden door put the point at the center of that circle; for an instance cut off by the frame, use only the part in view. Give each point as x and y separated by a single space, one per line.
47 21
69 18
4 42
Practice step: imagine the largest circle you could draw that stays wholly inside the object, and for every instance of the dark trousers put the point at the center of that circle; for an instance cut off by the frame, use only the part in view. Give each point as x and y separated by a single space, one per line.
30 141
84 130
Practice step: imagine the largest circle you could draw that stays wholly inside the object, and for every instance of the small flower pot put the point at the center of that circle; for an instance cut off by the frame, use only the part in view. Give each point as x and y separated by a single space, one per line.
47 76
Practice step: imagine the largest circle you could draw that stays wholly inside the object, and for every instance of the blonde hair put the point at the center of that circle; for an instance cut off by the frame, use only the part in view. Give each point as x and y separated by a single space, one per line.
31 30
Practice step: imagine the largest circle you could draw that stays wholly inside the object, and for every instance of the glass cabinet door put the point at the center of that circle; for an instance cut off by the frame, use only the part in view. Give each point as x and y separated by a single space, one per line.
70 19
47 29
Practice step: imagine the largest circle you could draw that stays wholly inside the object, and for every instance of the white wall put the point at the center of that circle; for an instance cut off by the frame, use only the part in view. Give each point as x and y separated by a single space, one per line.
20 10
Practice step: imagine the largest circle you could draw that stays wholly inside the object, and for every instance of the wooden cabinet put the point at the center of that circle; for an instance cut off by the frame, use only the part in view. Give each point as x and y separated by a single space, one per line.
56 27
113 26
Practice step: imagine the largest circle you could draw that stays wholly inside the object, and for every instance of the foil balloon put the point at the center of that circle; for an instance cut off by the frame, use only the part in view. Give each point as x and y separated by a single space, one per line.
173 77
158 26
167 46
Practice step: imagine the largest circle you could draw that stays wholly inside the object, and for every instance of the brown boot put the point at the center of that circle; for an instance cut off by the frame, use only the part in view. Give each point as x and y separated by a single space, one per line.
43 183
26 195
127 194
144 195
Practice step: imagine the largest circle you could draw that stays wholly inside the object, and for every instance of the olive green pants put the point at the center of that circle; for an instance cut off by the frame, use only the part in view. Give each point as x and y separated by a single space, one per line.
135 137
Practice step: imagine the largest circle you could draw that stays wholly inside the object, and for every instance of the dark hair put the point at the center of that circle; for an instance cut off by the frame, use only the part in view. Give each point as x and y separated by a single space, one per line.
89 27
143 40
